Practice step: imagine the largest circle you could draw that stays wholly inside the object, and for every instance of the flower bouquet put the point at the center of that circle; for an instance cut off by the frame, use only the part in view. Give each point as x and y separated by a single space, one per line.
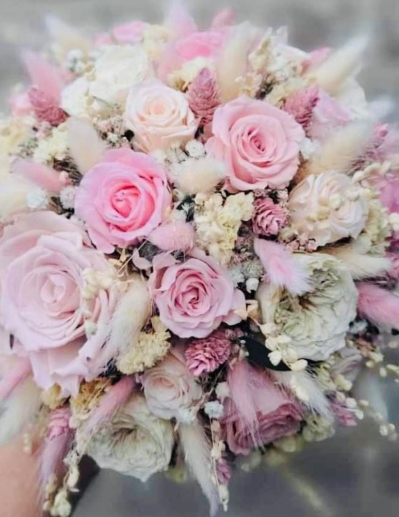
198 252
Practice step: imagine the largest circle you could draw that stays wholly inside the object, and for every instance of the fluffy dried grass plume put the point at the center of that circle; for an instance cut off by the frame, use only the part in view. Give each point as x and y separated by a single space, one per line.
332 74
341 150
200 176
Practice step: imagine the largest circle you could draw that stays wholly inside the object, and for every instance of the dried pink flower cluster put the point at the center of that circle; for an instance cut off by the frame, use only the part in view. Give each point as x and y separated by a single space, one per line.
207 354
45 107
301 105
203 96
268 218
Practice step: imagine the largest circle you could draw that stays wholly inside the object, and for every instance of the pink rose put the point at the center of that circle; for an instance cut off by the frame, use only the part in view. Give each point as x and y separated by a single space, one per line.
268 218
276 415
42 259
159 116
203 44
170 389
122 199
194 297
258 142
128 33
328 116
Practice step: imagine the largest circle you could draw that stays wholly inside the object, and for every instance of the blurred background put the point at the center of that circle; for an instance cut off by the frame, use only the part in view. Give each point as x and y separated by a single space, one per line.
357 472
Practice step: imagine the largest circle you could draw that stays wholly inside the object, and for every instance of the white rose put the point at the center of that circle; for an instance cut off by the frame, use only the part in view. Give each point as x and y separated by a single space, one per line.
170 389
328 207
317 321
75 100
116 70
136 444
159 116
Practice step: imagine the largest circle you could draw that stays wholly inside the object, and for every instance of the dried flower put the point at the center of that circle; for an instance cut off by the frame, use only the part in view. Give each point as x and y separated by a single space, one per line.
152 346
268 217
301 105
45 107
203 96
206 355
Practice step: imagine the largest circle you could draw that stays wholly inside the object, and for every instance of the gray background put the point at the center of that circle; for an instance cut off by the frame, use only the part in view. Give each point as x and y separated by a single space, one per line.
357 472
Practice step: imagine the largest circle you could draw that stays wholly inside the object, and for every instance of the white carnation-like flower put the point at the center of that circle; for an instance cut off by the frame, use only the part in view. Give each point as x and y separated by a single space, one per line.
137 443
116 70
317 321
328 207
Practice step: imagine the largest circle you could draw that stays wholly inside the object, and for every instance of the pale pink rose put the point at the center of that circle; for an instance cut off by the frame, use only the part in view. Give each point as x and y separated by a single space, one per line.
338 211
268 217
194 297
387 186
122 199
170 389
42 259
20 104
328 116
159 116
275 415
202 44
259 143
128 33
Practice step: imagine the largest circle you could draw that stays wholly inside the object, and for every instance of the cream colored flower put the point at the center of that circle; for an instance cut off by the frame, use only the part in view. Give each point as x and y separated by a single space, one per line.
150 348
328 207
315 323
53 147
217 222
136 443
182 78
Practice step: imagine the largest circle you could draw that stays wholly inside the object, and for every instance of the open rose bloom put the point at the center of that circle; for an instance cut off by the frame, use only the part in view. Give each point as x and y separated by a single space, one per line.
198 249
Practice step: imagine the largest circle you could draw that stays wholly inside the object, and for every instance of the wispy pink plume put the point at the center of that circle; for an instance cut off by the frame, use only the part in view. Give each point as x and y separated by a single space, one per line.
240 380
198 457
301 105
203 96
176 236
281 267
55 446
223 18
179 19
383 144
14 377
116 397
378 305
39 174
43 75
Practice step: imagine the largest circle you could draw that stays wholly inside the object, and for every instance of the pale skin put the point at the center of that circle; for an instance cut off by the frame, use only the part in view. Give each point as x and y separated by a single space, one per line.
18 482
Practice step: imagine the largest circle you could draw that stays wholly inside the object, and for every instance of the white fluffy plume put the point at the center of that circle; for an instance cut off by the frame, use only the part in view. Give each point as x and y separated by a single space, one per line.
304 386
18 410
85 145
341 65
130 316
342 149
65 37
197 454
360 264
233 62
